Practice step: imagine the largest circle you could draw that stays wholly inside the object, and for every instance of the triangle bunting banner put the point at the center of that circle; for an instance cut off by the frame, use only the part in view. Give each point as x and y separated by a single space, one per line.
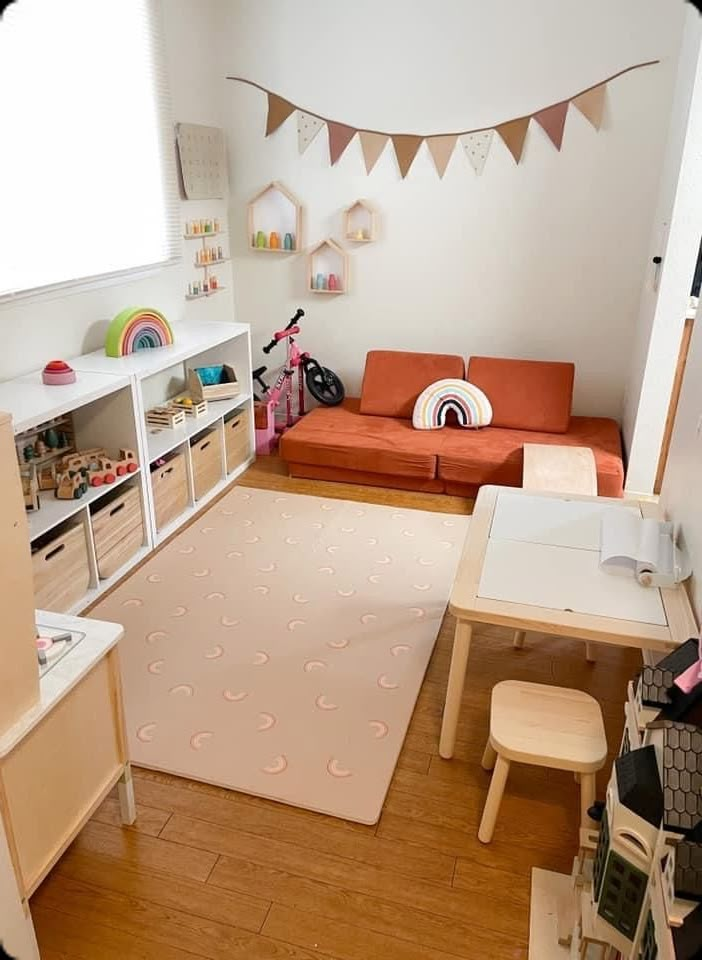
441 149
372 145
476 142
552 120
513 134
477 147
406 146
340 136
278 112
591 104
308 126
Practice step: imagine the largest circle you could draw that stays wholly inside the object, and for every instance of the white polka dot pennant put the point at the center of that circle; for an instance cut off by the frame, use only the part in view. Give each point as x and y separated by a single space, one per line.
477 147
308 126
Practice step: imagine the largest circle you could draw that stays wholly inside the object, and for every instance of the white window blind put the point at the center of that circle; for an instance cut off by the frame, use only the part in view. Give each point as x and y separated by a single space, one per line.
87 170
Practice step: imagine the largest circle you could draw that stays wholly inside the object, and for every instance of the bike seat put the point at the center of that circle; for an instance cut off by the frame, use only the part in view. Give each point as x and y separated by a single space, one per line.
258 372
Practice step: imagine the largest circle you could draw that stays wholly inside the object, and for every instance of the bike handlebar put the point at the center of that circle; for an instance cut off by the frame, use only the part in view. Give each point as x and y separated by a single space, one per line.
299 313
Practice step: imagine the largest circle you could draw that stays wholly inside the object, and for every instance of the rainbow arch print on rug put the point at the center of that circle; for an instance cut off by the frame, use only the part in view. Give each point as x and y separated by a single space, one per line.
137 328
468 402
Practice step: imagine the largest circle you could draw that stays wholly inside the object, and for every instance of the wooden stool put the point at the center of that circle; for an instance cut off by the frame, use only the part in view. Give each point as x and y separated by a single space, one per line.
555 468
545 726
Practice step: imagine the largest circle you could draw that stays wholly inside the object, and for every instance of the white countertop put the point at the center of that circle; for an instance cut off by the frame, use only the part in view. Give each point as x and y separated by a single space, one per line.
100 636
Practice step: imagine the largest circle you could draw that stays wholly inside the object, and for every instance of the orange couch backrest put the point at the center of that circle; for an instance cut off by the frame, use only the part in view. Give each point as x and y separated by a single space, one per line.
525 394
393 379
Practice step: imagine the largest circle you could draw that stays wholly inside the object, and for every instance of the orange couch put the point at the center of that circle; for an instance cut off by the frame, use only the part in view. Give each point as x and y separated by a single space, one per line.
371 439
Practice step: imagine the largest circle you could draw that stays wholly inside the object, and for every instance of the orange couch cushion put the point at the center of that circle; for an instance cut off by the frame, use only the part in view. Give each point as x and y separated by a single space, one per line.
496 455
343 438
393 379
525 394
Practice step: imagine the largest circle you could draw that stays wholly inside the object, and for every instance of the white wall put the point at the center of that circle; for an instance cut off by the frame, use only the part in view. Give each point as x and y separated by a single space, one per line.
542 260
35 330
676 236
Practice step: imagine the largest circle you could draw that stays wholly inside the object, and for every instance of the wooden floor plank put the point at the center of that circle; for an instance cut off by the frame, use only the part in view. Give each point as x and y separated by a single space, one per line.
364 878
151 852
202 868
241 910
94 940
164 927
284 823
461 937
346 941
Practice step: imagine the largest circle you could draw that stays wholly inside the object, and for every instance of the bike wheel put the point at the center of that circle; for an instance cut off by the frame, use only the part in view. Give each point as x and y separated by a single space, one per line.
324 385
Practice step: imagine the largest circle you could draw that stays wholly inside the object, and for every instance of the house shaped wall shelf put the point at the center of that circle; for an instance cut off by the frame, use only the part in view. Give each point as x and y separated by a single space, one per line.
275 220
359 222
328 268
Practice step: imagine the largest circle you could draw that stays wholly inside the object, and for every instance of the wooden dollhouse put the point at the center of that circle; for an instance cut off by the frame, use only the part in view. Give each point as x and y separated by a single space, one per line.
636 893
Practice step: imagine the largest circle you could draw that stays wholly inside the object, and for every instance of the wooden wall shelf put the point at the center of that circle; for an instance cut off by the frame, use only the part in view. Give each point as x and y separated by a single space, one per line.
328 268
360 222
274 211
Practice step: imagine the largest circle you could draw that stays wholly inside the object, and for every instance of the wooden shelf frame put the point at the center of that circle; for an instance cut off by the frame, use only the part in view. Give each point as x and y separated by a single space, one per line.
327 251
256 218
360 216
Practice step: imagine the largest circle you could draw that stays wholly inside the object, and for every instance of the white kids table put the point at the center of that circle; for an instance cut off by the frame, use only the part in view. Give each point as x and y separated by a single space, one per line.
531 562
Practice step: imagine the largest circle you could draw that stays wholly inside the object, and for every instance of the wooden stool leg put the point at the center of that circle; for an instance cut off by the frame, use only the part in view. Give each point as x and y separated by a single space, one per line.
454 690
494 798
590 651
587 798
489 757
519 636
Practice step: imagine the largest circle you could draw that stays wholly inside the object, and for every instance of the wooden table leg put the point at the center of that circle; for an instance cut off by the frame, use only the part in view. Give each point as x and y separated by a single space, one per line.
125 790
454 690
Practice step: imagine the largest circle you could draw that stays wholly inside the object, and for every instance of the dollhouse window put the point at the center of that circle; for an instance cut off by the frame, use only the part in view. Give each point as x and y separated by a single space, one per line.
87 173
649 947
622 895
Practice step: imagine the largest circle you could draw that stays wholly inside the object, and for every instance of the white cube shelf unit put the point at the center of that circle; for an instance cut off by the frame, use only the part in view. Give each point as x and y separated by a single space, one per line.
109 401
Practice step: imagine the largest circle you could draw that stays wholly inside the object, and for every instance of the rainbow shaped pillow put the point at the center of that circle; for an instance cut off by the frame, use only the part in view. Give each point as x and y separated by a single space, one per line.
468 402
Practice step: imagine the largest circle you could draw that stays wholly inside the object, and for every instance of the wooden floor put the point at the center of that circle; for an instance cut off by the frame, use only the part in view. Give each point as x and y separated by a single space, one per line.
206 872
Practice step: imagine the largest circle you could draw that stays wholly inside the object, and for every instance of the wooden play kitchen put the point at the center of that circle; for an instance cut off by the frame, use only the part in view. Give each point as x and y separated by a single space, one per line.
62 738
139 477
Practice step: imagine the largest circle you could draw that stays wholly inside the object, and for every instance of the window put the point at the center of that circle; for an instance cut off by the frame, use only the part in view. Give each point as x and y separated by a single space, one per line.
622 894
87 171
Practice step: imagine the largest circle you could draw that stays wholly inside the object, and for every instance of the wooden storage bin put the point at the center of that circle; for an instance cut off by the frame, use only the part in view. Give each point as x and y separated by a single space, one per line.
237 444
169 483
118 531
61 572
206 453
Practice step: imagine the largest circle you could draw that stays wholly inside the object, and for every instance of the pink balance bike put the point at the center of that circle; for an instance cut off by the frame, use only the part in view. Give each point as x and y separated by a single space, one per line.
323 384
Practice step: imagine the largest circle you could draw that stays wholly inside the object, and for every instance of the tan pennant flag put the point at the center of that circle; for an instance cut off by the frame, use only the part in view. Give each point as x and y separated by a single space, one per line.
308 126
278 112
477 147
591 104
513 133
406 146
340 137
552 120
372 145
441 149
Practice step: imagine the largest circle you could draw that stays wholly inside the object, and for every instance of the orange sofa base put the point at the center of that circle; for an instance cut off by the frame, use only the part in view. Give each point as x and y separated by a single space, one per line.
311 471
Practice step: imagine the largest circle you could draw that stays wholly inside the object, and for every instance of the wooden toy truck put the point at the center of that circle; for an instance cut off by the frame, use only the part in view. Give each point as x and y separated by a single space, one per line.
92 468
